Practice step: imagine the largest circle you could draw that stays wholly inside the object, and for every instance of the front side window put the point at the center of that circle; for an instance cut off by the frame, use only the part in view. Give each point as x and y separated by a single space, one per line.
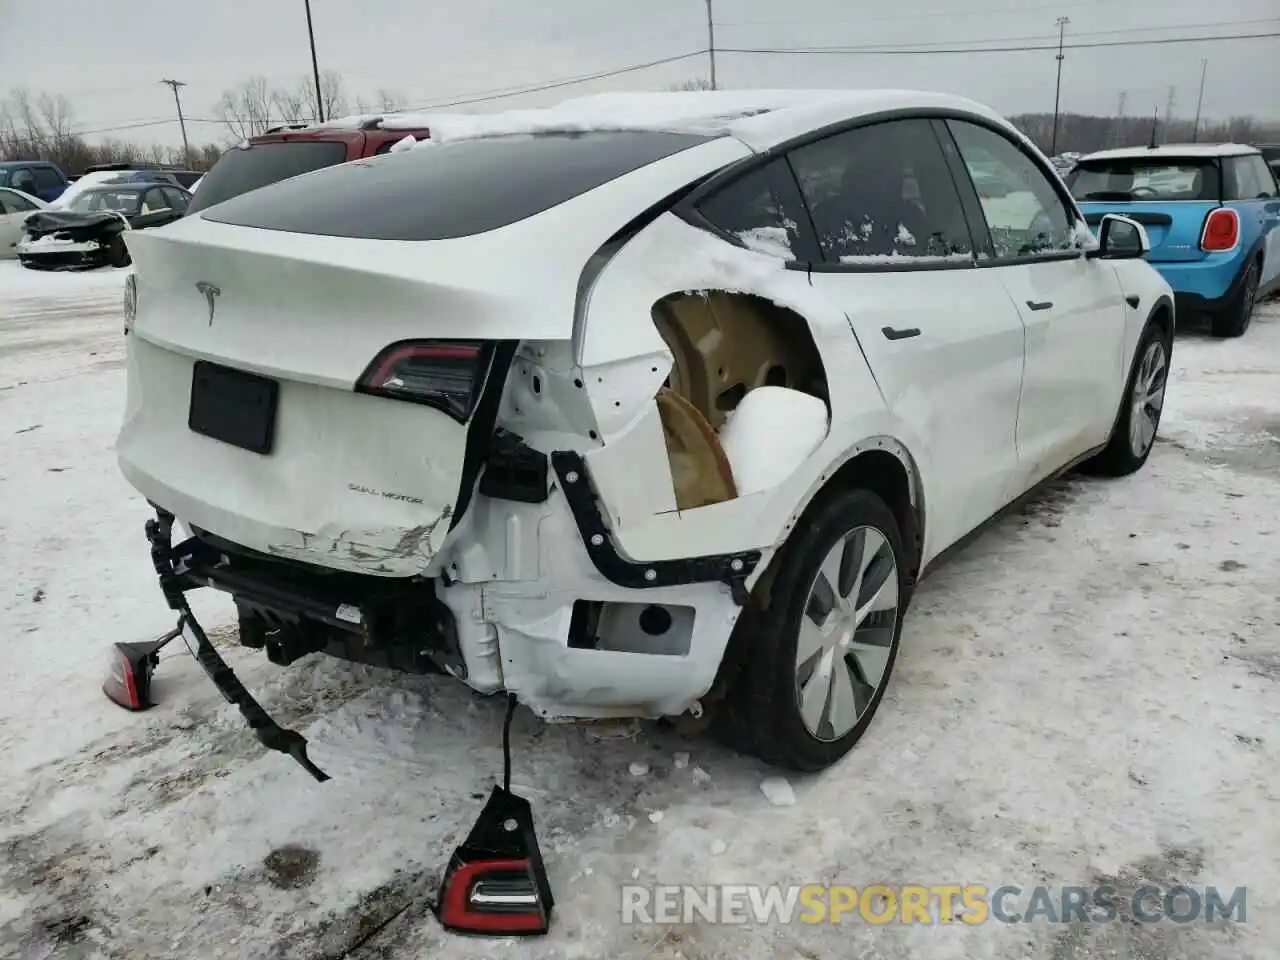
15 203
1025 215
47 178
750 210
154 201
883 194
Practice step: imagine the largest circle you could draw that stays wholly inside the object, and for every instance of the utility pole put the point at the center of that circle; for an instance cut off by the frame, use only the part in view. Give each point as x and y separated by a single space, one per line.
1168 106
315 66
1118 133
711 43
1204 70
1057 95
186 149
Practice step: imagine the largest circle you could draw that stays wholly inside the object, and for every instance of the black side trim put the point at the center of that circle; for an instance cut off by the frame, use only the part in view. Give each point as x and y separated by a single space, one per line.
1146 219
483 422
729 568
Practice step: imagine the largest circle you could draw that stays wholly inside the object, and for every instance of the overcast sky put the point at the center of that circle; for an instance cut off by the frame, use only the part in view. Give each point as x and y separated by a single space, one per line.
107 57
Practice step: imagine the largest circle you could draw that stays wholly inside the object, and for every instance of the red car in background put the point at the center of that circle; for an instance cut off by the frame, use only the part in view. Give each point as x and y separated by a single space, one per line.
284 152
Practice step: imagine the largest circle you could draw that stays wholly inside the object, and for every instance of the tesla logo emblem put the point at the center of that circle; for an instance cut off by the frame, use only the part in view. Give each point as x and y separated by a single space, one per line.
211 294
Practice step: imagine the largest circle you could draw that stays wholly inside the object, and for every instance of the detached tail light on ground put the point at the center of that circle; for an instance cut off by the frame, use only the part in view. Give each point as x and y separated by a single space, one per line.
130 670
496 884
1221 230
445 374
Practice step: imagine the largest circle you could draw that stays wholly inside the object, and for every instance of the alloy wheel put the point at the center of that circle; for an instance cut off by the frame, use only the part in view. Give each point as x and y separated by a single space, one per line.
1148 398
846 633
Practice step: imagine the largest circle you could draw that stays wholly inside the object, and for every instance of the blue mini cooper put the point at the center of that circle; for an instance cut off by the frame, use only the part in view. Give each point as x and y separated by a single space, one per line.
1212 213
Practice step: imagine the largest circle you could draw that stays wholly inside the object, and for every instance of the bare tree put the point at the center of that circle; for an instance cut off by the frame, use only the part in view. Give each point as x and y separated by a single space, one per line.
697 83
246 109
295 104
333 94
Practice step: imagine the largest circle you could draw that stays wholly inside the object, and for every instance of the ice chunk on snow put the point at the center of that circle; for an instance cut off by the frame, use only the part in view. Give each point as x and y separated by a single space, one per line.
681 760
405 144
771 240
905 236
638 769
655 817
718 847
700 776
777 790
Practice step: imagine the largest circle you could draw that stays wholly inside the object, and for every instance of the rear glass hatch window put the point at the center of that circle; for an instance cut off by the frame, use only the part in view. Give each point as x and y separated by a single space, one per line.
449 190
247 168
1135 180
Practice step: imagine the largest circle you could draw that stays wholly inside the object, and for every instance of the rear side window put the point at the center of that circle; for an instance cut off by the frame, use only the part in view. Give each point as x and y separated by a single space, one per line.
883 193
750 210
242 170
1253 178
1131 180
448 190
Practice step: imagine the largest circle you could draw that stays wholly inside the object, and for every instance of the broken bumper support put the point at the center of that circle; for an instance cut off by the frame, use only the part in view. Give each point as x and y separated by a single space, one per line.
171 567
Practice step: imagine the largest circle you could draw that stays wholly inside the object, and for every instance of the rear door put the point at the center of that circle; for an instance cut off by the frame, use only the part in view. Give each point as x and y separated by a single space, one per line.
13 210
1252 191
1073 307
942 338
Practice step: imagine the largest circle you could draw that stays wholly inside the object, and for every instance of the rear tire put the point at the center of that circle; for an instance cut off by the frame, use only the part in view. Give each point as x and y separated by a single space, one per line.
1138 419
1235 319
819 659
117 252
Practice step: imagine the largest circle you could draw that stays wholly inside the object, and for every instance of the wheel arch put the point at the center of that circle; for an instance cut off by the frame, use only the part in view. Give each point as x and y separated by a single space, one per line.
887 468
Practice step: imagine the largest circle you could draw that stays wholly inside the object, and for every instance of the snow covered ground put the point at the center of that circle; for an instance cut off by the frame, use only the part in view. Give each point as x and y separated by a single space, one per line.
1088 692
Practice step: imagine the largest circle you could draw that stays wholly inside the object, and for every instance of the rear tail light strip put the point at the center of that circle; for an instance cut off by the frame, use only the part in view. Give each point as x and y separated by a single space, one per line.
446 374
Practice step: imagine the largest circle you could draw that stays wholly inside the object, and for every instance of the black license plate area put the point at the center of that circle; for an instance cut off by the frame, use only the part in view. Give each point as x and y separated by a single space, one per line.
233 406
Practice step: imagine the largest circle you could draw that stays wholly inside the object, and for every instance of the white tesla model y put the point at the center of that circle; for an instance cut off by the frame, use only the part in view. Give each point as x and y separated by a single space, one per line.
638 406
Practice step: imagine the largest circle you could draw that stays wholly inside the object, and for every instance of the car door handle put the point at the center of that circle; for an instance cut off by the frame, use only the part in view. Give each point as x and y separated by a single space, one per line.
893 333
1040 304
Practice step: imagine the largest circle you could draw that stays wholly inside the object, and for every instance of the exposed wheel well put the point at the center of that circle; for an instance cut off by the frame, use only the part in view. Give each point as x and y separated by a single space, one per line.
1162 316
885 475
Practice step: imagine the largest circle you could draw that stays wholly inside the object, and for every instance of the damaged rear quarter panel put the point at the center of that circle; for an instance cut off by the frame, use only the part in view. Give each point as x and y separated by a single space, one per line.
625 361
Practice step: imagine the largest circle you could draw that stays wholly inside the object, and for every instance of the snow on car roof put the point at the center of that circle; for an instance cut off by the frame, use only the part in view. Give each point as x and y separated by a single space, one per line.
1171 150
756 116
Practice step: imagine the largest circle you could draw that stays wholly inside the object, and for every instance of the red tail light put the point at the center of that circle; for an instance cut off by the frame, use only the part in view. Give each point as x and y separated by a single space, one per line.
496 882
496 897
445 374
1221 230
128 680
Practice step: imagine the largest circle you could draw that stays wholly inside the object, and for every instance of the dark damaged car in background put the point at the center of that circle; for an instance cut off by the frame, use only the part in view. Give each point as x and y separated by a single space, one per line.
90 232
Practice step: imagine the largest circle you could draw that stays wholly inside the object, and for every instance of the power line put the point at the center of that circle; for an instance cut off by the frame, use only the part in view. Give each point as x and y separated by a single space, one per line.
919 51
913 17
555 84
1084 33
483 96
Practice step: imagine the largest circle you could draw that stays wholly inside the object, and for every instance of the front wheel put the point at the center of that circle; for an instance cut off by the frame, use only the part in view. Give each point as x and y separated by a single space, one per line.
824 650
117 252
1138 419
